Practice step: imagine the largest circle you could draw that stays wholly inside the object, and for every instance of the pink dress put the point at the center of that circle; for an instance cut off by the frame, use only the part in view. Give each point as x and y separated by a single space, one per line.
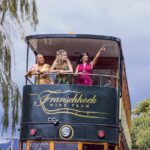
85 79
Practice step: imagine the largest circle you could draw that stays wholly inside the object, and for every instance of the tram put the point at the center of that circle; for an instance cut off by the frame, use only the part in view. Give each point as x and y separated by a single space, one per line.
72 116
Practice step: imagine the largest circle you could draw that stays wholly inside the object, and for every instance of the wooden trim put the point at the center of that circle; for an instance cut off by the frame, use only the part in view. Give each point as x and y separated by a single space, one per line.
106 146
79 142
28 145
80 146
117 81
92 143
51 145
116 147
126 97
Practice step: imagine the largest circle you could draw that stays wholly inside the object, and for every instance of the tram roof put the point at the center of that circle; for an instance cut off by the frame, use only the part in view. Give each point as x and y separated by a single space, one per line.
74 44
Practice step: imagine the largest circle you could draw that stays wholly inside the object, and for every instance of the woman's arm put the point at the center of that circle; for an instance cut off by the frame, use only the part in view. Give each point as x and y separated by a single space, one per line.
52 69
76 71
31 71
94 61
69 66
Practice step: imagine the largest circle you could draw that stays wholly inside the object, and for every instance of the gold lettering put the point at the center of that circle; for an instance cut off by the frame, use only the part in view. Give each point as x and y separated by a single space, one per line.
82 106
77 99
77 105
87 106
43 100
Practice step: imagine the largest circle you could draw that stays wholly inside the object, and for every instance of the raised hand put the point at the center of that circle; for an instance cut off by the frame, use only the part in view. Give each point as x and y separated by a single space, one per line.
102 49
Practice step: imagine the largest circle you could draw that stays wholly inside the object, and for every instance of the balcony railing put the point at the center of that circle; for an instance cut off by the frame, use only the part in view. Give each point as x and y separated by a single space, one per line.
97 79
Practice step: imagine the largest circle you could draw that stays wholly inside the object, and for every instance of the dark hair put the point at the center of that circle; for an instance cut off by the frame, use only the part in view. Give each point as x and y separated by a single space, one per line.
81 56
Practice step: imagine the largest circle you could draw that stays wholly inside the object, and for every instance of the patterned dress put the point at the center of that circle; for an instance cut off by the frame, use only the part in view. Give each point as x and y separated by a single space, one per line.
42 78
63 78
85 79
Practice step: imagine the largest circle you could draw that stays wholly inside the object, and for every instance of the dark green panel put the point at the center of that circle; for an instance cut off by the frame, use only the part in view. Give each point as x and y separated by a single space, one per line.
87 133
84 108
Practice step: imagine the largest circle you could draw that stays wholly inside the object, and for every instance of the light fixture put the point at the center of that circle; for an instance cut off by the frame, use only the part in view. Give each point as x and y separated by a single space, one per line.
66 132
101 133
33 132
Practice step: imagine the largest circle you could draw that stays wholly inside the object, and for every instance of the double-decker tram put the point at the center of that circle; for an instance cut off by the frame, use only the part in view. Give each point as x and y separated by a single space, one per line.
73 116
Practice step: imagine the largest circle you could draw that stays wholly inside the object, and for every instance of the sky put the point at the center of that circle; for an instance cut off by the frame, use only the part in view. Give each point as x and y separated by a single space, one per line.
128 20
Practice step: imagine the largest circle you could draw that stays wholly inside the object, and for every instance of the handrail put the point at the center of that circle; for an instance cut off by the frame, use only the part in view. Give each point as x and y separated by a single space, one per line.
79 74
75 74
29 80
93 74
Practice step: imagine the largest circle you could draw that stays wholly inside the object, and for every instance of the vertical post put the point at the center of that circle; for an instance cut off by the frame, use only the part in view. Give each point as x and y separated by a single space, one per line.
51 145
12 143
106 146
116 147
121 63
119 86
117 80
20 145
100 80
27 145
27 58
80 146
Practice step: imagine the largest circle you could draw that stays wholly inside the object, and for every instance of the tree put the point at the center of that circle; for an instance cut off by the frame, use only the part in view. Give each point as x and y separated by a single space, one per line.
141 126
12 14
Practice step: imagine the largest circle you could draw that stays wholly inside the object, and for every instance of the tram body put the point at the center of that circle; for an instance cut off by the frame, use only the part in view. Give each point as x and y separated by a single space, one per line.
78 117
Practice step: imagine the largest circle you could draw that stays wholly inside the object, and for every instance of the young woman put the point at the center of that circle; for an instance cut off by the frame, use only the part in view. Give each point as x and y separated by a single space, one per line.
62 66
39 70
85 68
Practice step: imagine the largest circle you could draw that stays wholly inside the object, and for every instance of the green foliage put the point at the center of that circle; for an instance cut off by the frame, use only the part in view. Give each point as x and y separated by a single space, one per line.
141 126
12 14
19 10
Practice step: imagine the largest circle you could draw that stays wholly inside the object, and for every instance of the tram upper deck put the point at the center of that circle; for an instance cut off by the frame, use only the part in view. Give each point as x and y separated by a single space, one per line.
76 44
67 112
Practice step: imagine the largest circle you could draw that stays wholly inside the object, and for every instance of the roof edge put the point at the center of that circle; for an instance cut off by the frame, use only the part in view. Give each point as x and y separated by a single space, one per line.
87 36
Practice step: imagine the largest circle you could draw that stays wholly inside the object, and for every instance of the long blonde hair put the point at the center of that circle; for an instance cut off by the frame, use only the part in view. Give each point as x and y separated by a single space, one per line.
61 64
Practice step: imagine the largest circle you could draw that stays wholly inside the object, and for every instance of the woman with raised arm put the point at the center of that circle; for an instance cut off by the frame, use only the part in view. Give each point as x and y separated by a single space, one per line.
40 70
85 68
62 67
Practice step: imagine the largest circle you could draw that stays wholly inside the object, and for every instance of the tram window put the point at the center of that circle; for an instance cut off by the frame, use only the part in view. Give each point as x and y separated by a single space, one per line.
66 146
24 146
39 146
93 147
111 147
103 80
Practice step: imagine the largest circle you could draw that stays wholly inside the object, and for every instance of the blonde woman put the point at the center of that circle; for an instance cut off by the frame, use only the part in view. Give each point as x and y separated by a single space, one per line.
62 66
39 70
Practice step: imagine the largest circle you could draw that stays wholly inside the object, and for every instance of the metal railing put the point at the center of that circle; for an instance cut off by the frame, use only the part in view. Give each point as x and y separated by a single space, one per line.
97 79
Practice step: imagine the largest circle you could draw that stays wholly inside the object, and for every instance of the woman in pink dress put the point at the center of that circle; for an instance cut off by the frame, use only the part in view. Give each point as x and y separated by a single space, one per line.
85 68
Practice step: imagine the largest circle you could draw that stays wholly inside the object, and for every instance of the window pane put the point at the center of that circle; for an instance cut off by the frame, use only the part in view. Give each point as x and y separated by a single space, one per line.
65 146
111 147
39 146
93 147
24 146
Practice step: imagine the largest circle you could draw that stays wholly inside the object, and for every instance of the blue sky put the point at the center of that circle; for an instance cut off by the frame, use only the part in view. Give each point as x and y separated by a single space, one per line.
128 20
